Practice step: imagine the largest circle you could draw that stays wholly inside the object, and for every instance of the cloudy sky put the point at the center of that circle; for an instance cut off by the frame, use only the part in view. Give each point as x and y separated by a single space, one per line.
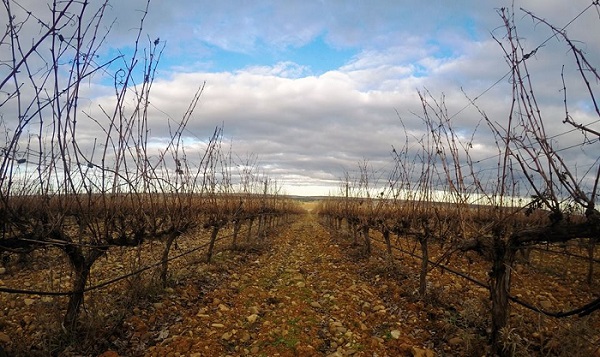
312 88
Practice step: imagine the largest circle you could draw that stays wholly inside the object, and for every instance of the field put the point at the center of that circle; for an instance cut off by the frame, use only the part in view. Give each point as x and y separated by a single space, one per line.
124 231
305 289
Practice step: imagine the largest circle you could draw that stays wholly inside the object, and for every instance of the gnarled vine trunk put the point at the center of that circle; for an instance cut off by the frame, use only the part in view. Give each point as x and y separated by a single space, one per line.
81 267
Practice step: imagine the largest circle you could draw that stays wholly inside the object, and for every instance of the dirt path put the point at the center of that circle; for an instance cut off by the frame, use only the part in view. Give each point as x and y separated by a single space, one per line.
304 297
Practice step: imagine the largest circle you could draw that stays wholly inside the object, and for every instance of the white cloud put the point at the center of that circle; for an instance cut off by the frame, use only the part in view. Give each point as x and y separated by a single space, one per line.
311 128
285 69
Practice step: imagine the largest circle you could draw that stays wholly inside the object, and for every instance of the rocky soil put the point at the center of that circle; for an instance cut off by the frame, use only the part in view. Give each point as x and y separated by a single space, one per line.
304 297
308 291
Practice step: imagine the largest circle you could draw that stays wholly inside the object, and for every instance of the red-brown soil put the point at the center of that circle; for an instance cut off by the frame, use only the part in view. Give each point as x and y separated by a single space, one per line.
310 292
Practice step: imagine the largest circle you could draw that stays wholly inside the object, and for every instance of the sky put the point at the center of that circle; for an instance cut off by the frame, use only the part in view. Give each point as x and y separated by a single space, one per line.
313 88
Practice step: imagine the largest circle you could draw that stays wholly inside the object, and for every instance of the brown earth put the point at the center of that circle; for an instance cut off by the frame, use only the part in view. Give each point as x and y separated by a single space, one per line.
304 297
308 291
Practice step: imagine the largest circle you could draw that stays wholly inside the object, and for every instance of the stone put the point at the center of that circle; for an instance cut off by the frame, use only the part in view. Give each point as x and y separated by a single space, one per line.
109 353
315 304
29 302
334 325
252 318
546 305
2 270
217 325
226 336
395 334
223 307
455 341
422 352
245 337
4 338
28 319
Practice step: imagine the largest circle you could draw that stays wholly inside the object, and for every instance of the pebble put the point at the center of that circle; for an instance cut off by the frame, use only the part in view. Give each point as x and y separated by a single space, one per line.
2 270
226 336
455 341
245 337
546 304
395 334
28 319
4 338
252 318
422 352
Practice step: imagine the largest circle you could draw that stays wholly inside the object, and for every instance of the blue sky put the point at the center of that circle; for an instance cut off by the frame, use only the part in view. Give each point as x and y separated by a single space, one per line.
322 36
315 87
316 57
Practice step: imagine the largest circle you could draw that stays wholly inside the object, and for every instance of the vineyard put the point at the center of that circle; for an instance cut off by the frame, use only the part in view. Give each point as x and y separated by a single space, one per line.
551 289
85 217
124 243
45 298
298 288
